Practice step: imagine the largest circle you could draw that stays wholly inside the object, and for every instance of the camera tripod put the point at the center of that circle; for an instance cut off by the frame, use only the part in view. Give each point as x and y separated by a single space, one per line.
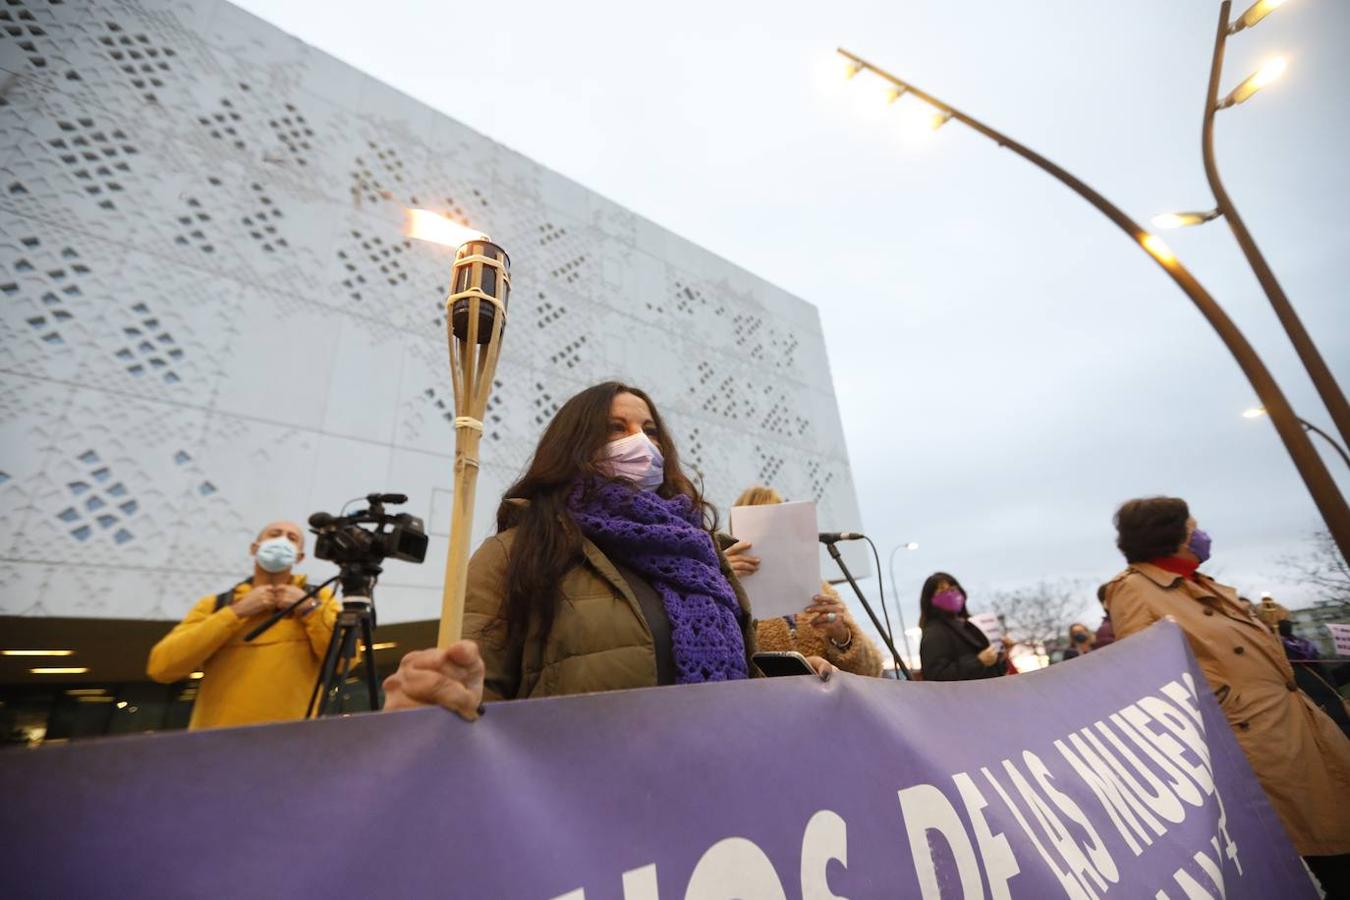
355 623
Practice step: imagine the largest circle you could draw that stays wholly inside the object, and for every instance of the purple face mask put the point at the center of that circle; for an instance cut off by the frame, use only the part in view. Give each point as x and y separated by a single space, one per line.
1199 544
636 458
951 600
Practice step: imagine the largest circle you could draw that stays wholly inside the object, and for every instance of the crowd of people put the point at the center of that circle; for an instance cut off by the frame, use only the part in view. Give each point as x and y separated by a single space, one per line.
608 571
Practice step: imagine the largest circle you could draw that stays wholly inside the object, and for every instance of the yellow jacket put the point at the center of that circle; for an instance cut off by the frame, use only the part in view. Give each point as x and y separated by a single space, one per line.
268 679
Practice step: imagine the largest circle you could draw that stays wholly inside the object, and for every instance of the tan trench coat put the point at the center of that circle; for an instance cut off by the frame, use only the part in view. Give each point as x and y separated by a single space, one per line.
599 640
1299 755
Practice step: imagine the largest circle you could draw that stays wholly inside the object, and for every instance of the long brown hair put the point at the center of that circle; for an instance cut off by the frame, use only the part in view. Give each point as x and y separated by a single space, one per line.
547 542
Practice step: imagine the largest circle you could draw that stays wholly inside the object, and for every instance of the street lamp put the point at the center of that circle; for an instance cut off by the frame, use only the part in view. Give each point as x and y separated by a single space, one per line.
1263 76
1257 412
1183 219
1318 371
899 614
1156 246
1321 486
1254 14
1308 354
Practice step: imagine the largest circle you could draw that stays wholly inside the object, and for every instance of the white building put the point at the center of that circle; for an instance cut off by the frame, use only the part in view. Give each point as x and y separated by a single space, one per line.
211 317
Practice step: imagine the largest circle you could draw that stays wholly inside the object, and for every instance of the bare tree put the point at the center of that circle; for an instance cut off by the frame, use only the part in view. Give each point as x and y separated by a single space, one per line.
1320 567
1040 615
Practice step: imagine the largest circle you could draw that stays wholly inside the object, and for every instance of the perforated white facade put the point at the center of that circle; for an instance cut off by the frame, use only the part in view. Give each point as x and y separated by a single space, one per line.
211 318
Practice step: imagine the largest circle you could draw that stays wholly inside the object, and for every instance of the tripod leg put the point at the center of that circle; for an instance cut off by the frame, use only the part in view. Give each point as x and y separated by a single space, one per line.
325 673
333 686
372 682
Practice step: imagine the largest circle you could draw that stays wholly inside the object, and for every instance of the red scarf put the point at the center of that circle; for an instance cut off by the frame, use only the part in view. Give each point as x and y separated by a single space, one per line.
1177 566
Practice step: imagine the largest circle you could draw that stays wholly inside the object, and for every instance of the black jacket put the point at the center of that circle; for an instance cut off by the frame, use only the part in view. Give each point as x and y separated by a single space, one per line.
949 650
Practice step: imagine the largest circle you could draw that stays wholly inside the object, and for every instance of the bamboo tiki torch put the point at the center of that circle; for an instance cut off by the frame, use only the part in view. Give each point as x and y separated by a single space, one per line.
475 316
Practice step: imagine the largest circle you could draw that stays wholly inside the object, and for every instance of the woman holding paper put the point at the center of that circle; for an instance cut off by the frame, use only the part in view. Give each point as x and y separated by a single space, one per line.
603 574
824 628
952 647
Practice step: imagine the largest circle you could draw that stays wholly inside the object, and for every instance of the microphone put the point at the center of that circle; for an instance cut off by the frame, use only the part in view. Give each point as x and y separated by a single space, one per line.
387 498
320 520
829 537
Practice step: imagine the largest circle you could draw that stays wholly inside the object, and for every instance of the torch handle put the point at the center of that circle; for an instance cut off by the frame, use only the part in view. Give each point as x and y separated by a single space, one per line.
467 438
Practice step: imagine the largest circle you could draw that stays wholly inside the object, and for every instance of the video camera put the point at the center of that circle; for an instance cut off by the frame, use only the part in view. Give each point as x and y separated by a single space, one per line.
342 540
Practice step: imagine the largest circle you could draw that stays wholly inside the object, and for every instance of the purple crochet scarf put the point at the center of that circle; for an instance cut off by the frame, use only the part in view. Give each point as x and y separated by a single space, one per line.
663 541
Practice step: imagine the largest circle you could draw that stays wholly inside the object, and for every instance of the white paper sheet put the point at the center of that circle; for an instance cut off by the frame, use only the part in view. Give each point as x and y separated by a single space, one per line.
785 537
988 623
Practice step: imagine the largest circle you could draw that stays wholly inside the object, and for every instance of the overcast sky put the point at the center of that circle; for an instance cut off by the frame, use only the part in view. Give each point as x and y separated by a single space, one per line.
1009 366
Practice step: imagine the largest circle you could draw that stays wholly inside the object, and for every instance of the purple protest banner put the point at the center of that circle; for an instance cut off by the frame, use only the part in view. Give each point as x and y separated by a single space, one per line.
1113 773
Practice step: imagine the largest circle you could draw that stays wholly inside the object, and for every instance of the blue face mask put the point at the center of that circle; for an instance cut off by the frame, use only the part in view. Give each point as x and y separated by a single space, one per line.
1199 544
276 555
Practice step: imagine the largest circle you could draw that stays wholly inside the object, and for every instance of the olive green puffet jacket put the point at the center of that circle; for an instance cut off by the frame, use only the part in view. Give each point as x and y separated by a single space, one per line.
599 640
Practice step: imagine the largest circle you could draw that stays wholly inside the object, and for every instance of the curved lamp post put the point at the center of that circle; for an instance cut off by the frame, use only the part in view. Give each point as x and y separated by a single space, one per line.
1308 354
1257 412
1325 494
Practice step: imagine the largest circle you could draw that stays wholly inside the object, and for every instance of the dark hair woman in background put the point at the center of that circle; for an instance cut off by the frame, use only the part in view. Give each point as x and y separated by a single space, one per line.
952 649
1299 755
603 573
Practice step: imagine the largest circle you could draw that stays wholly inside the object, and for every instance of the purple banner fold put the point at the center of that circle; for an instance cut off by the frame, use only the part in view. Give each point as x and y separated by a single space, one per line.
1114 774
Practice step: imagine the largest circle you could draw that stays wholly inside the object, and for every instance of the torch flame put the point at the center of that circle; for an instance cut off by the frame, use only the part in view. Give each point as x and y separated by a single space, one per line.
426 225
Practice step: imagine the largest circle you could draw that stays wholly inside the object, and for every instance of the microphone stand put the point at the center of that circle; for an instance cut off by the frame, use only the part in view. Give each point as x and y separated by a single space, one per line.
895 654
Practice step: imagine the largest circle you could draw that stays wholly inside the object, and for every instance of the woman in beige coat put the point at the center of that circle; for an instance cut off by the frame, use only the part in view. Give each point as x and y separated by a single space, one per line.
824 628
1299 755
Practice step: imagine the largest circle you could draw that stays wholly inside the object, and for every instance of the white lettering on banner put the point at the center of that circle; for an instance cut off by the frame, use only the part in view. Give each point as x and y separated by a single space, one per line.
1213 867
640 883
1192 888
1096 849
1114 797
1188 700
1230 847
925 810
1076 864
1159 798
1072 888
999 863
1177 723
1132 720
825 838
734 867
1145 764
1134 791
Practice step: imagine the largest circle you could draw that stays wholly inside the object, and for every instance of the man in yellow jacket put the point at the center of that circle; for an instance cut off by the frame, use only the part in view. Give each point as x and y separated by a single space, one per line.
270 678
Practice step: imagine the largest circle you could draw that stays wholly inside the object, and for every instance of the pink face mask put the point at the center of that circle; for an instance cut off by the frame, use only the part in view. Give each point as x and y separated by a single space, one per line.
636 458
951 600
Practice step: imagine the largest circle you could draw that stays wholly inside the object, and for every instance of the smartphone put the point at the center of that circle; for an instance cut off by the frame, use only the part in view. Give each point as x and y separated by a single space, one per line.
788 662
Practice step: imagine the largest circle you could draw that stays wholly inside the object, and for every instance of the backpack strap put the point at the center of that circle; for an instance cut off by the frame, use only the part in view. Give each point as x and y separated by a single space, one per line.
224 598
